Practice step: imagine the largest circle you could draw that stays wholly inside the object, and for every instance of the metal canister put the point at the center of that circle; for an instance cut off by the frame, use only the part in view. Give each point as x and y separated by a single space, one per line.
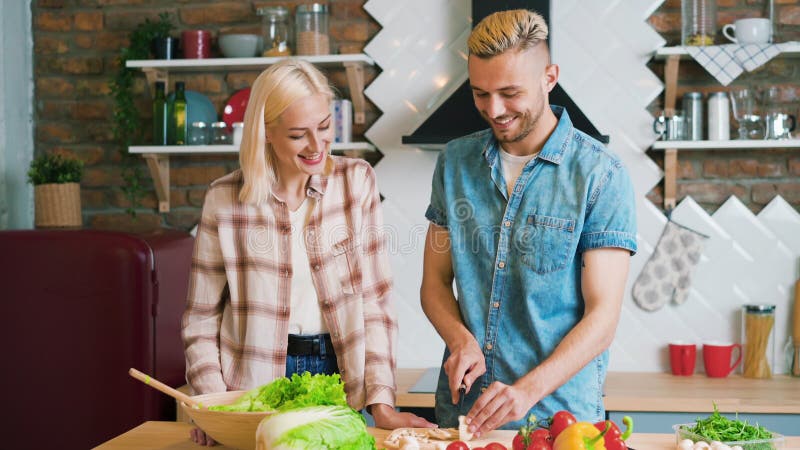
693 107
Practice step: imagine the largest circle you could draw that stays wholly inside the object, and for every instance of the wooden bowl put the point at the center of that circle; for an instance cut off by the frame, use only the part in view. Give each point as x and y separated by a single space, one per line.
232 429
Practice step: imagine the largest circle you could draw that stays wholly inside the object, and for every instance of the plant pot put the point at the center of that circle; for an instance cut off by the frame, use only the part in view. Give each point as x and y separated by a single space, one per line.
58 205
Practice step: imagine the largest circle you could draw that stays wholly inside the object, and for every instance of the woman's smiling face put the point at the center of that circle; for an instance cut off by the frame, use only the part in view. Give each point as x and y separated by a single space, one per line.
301 137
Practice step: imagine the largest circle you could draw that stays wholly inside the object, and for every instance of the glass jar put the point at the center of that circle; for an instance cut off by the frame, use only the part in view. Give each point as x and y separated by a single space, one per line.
238 132
758 339
698 22
312 29
275 30
220 135
198 133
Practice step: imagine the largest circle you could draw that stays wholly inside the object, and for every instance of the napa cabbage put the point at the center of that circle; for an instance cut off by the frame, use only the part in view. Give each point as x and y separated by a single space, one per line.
314 428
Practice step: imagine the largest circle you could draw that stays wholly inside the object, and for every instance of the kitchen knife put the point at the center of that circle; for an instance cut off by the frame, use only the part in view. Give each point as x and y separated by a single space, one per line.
461 391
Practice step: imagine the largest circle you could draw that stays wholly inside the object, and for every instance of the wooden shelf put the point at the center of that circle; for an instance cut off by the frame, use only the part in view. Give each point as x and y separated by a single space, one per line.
230 64
159 69
673 56
157 158
727 145
789 49
215 149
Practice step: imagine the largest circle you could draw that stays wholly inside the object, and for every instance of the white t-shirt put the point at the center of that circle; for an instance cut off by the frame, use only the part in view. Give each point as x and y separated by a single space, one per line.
512 167
305 316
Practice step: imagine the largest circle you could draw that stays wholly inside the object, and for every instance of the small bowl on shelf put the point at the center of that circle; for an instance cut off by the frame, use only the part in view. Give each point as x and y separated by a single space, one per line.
776 442
238 45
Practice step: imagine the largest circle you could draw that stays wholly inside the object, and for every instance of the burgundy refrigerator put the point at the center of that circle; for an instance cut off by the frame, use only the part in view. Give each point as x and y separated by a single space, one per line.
80 308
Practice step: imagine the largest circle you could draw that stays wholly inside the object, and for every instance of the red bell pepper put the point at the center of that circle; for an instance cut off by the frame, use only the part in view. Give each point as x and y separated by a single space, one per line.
614 438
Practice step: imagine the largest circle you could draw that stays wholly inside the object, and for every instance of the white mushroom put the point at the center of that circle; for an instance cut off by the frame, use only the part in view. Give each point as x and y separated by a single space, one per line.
463 432
686 444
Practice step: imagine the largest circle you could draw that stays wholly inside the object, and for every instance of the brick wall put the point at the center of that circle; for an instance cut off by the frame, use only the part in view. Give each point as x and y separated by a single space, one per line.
754 176
76 44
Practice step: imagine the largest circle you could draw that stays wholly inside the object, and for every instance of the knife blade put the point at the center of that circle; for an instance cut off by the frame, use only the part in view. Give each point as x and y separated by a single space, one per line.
461 391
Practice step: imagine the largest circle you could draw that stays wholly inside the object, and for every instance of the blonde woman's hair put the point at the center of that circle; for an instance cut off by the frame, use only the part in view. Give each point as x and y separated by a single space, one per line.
505 30
274 90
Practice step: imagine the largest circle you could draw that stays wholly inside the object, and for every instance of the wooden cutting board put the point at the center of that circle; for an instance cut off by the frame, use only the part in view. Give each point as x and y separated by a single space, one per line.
500 436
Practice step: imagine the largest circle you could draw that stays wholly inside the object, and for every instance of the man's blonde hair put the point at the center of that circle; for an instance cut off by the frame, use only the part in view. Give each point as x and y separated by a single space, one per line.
505 30
273 91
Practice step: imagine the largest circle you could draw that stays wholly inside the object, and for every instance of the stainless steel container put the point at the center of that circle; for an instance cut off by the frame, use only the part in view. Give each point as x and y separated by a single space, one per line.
693 107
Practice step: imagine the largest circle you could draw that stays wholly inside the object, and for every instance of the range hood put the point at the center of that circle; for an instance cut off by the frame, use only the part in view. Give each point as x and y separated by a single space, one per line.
457 116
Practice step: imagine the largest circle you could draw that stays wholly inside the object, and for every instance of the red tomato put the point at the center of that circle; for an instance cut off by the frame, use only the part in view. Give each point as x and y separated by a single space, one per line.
495 446
519 442
541 434
457 445
561 420
539 445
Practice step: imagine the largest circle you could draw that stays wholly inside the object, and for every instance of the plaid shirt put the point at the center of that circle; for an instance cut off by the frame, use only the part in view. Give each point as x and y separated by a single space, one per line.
235 327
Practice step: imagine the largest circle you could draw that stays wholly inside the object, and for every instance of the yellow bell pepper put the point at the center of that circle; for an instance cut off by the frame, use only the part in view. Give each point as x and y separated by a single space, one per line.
581 436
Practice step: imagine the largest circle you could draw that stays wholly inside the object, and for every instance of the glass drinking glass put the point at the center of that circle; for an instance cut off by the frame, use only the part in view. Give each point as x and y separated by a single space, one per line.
744 105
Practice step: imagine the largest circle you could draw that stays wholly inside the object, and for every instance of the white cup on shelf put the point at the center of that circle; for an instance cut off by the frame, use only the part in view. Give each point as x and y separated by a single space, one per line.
748 31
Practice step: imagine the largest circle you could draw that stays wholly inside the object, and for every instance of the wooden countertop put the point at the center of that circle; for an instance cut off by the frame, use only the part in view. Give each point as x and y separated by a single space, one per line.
175 436
635 391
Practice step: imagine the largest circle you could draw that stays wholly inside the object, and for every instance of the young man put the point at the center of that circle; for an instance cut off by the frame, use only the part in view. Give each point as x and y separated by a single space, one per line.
535 222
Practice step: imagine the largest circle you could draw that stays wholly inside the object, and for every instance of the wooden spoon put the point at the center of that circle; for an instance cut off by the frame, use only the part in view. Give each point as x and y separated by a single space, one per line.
155 384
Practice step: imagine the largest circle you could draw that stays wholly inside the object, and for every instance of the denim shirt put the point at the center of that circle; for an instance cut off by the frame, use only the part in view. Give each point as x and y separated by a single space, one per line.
517 260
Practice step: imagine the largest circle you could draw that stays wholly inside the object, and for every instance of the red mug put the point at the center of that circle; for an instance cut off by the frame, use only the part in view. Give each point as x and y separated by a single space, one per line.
196 44
682 357
717 358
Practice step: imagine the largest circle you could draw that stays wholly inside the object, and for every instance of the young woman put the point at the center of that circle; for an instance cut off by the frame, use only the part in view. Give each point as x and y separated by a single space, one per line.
290 272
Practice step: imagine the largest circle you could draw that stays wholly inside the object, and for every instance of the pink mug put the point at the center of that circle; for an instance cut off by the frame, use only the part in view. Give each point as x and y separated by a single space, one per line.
196 44
682 357
717 358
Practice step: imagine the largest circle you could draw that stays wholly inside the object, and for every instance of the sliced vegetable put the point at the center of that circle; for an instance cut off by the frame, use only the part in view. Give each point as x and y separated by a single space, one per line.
315 428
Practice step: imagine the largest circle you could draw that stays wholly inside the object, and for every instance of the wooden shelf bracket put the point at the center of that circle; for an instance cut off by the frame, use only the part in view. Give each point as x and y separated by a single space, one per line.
159 171
355 81
154 75
671 154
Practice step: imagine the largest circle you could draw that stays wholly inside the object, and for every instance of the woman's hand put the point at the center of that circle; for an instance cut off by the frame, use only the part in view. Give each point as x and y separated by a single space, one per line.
201 438
388 418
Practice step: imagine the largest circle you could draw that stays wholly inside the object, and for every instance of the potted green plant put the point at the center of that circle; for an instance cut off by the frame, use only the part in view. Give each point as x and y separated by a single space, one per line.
57 190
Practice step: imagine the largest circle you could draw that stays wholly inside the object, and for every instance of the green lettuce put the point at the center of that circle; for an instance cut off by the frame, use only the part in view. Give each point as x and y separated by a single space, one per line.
284 394
315 428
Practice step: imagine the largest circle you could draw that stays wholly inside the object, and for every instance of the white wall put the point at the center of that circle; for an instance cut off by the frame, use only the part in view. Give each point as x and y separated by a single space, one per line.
16 116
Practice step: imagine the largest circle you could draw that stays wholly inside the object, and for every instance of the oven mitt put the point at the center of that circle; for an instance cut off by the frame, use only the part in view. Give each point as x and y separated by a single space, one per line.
666 274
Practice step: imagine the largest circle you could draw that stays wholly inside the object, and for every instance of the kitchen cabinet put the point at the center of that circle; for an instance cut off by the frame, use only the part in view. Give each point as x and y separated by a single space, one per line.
673 57
157 157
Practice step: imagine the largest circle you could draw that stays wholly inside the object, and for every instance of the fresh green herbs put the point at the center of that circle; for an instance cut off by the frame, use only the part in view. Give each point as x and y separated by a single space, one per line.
717 427
284 394
55 168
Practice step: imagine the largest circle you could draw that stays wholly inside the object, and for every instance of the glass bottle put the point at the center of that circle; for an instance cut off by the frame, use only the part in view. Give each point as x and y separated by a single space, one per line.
698 22
718 117
160 115
758 336
178 125
312 29
275 30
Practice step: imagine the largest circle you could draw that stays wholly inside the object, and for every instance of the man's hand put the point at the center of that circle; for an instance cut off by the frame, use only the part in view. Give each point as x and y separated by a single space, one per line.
388 418
200 438
498 405
464 365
